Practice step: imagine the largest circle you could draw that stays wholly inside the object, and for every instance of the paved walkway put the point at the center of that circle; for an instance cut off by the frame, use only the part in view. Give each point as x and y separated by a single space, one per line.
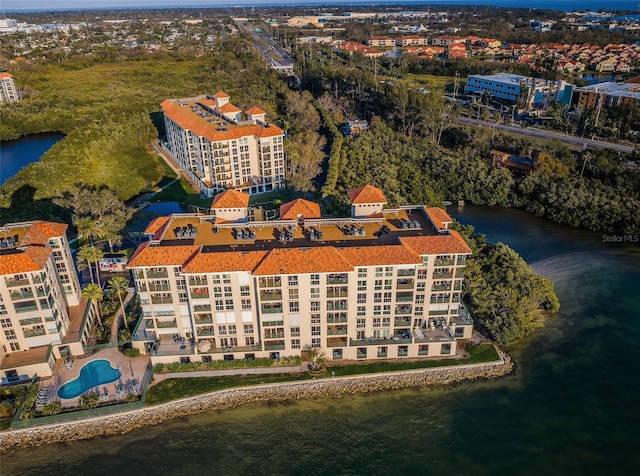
242 371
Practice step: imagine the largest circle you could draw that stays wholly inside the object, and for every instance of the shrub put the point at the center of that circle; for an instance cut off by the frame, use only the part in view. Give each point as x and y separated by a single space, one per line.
130 352
6 409
52 408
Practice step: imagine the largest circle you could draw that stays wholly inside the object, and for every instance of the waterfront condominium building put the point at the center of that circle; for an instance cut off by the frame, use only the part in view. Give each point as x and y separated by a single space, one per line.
524 90
220 147
42 312
381 283
8 91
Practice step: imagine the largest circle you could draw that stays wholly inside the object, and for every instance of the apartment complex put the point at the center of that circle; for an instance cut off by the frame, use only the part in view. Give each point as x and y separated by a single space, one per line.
381 283
8 91
526 91
42 312
220 147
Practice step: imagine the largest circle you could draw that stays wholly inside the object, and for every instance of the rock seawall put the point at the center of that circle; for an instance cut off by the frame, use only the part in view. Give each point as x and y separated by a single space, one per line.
309 389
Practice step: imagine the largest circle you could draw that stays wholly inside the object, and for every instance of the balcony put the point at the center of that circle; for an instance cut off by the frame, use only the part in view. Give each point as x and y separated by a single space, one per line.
460 273
272 309
41 292
433 335
402 322
202 308
39 278
274 335
403 351
378 341
200 293
404 284
197 281
337 330
270 282
443 274
337 294
381 354
159 287
457 286
161 299
438 313
273 323
26 307
274 346
157 273
205 331
337 342
166 324
16 282
337 320
19 295
204 319
271 295
404 297
403 309
337 305
34 332
232 348
441 287
406 272
30 322
444 262
439 300
337 279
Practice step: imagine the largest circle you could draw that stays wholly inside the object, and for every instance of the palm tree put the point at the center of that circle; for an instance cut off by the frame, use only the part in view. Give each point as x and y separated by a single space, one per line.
93 293
92 255
118 284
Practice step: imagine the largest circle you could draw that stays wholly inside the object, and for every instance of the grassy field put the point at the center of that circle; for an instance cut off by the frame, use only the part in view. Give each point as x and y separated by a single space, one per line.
426 80
173 389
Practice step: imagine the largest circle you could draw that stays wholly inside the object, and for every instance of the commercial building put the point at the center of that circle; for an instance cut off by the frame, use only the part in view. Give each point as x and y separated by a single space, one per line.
8 91
219 146
606 94
526 91
381 283
42 312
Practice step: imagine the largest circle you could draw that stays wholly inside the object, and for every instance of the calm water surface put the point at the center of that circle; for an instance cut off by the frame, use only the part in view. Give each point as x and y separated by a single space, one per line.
16 154
570 408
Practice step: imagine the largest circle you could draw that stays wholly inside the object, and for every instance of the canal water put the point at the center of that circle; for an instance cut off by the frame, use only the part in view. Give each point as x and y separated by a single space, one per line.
571 407
16 154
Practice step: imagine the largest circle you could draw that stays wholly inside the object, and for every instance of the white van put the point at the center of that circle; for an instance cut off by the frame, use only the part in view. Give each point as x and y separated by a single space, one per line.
113 262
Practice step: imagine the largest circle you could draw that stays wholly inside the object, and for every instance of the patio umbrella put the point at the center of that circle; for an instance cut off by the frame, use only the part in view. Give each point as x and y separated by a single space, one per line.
204 345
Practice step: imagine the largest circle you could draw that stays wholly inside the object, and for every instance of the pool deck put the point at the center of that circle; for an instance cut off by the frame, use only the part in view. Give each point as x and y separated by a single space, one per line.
132 369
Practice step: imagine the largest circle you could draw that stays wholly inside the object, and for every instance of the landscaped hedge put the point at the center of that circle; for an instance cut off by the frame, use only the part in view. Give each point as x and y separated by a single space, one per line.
227 364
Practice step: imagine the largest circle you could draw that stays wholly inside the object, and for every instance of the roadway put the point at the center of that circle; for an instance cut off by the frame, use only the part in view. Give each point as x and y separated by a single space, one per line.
536 133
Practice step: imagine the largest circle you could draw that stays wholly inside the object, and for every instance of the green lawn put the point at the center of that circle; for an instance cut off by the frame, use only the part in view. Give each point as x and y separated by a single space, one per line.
181 192
424 80
174 389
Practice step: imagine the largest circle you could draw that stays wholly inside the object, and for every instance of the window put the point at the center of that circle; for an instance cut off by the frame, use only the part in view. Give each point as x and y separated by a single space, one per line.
377 297
315 293
249 340
246 304
244 291
14 346
5 323
362 298
10 334
227 291
362 272
222 330
295 332
315 342
293 280
376 322
377 310
362 353
228 304
361 323
315 318
388 271
217 291
226 278
386 309
293 293
386 322
388 283
3 310
295 343
248 328
315 279
315 330
361 311
387 297
378 272
362 285
315 305
232 329
377 285
294 306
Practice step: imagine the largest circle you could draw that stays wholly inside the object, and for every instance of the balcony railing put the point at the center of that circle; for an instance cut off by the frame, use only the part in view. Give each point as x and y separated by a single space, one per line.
34 332
41 292
378 341
16 282
204 320
336 306
442 274
444 262
403 310
337 280
406 297
337 342
337 294
199 294
437 300
405 284
402 322
441 287
202 307
274 347
274 335
460 273
161 300
232 348
166 324
272 309
30 322
382 354
337 331
18 295
402 352
406 272
205 331
273 323
29 308
159 287
337 320
270 296
155 274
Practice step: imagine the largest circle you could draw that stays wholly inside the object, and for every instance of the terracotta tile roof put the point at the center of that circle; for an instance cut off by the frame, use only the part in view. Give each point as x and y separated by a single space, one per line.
221 95
230 199
325 259
367 194
34 258
225 262
5 75
291 210
189 120
450 242
157 224
255 110
40 232
147 255
229 108
438 217
380 255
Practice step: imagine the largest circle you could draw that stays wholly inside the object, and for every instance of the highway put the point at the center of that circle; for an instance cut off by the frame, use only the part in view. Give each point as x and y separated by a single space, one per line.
544 134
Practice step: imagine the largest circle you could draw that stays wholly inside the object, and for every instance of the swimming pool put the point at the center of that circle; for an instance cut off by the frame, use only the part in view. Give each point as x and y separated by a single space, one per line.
92 374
